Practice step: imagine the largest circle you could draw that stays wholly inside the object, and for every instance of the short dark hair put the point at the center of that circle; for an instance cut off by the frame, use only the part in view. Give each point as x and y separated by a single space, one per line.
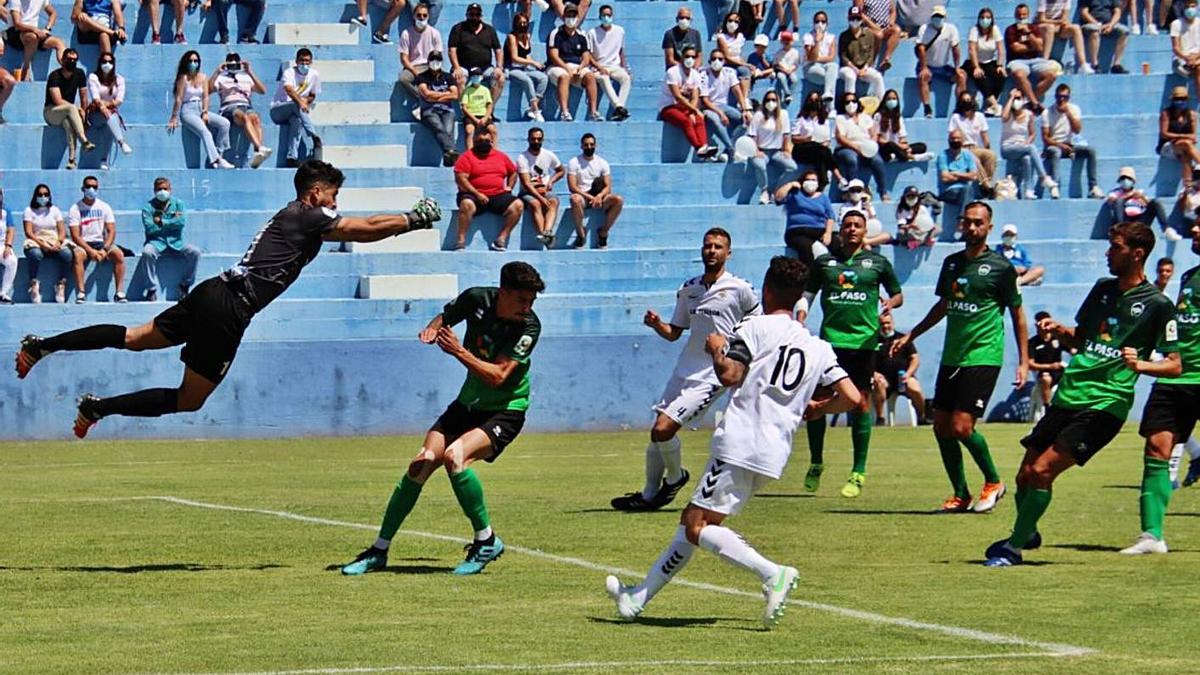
160 180
521 276
1165 260
608 7
87 178
70 50
1135 234
533 129
853 213
1041 315
786 277
979 203
314 171
719 232
587 136
1062 87
302 52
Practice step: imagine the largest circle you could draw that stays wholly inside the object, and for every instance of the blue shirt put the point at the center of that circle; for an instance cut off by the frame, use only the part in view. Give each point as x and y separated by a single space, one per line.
1017 255
760 62
168 232
964 163
98 8
807 212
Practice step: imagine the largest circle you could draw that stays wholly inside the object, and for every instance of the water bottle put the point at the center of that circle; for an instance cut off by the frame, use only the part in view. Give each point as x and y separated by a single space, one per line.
902 381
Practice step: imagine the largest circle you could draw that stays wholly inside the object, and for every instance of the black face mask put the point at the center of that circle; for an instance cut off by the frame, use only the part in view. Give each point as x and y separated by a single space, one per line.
69 64
534 146
966 106
482 147
588 152
812 104
474 21
521 30
956 145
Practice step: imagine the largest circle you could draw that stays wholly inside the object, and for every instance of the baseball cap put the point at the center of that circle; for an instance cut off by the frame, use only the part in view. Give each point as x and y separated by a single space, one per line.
939 10
762 39
571 10
1008 228
474 7
856 183
1127 172
475 71
786 36
855 12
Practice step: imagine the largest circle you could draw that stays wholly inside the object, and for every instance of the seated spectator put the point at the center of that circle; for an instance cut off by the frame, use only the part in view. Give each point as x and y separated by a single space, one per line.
1164 270
1062 126
383 28
485 178
570 62
1023 45
8 259
821 59
896 374
1054 23
191 106
958 172
974 130
46 236
589 178
99 22
1046 358
760 63
1128 203
1103 18
25 32
730 42
679 103
985 60
106 89
812 140
810 215
881 19
538 170
62 88
856 197
857 149
474 44
679 36
892 136
770 129
295 97
717 82
916 219
417 42
856 52
1187 203
1177 129
607 46
438 92
93 228
938 56
781 22
1185 43
1017 138
1028 274
8 84
786 65
247 30
155 23
163 219
234 82
478 107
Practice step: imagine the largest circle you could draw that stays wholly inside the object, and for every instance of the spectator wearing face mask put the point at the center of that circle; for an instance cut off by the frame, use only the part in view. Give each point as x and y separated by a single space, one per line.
485 178
856 145
916 219
760 63
294 99
62 88
234 83
1062 129
679 103
570 61
1102 18
438 92
787 68
538 170
474 44
477 104
191 106
856 197
1028 274
1177 130
1185 43
417 42
938 56
1126 202
679 36
8 259
717 83
770 127
106 88
892 135
1023 45
1188 201
821 58
607 46
810 215
163 219
1054 23
812 140
46 236
974 128
590 180
730 42
856 51
93 227
1164 271
958 172
1017 137
985 60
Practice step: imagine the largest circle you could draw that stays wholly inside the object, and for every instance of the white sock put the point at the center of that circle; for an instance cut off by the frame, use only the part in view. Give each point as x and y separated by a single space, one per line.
672 458
730 547
673 559
382 544
484 534
1193 447
654 471
1173 463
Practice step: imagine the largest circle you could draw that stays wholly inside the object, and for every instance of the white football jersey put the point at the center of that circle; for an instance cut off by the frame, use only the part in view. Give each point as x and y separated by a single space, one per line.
787 363
715 309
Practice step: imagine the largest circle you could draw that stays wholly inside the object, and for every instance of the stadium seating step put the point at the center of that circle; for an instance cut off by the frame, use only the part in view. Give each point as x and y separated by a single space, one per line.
408 286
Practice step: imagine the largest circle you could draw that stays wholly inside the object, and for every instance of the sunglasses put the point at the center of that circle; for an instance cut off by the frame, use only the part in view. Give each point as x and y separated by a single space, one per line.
1062 97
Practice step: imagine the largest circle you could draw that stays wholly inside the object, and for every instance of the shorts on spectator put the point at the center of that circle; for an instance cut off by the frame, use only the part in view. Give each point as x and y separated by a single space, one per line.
555 72
1179 66
1095 28
1038 66
229 111
496 204
944 72
12 37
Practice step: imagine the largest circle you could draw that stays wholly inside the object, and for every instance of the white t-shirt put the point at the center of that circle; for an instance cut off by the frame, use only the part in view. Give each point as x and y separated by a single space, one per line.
30 10
547 162
234 88
940 52
1015 132
768 132
814 129
788 58
985 45
892 135
45 221
716 309
308 85
1057 122
972 128
676 76
787 363
586 171
716 87
606 45
102 92
3 225
1055 9
734 44
826 45
90 219
1188 33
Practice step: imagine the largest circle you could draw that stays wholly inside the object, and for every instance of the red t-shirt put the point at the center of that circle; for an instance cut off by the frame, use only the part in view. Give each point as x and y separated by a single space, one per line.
488 174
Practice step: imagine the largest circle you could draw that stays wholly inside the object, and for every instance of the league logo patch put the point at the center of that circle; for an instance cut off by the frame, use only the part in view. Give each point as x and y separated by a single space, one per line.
959 287
1107 328
847 278
1186 301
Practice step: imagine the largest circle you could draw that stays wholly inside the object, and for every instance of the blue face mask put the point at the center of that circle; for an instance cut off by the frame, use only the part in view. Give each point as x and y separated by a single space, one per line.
42 201
1023 21
1190 12
302 69
193 67
936 22
891 103
1125 183
475 81
162 195
985 23
606 19
90 193
1178 105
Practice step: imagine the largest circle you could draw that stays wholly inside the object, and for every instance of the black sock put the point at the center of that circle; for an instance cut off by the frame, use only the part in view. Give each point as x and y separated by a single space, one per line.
84 339
145 403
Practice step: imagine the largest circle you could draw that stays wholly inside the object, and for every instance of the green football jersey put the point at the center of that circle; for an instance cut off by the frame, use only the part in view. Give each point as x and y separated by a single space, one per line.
1108 321
850 297
488 337
1187 317
976 291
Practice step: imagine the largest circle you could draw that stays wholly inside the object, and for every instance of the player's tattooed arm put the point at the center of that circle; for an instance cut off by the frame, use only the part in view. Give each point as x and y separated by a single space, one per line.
729 361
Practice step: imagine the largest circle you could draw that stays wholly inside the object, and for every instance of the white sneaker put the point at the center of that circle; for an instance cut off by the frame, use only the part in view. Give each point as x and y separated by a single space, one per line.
1096 192
765 197
60 291
35 292
776 592
538 116
722 157
126 149
1172 234
223 163
416 113
1151 29
1085 69
259 157
1135 29
1030 194
627 608
923 157
1146 543
1054 194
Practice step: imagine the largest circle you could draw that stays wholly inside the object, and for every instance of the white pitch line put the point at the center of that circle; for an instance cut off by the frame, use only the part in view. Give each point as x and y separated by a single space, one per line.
1057 649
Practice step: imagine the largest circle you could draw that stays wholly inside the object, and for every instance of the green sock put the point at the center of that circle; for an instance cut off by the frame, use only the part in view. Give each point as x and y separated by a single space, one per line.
469 491
1022 492
1156 494
816 440
403 498
953 461
1035 503
977 445
860 437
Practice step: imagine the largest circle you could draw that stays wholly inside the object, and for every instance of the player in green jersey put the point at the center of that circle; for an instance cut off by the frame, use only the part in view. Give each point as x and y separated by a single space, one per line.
502 331
1170 414
974 288
1122 320
849 284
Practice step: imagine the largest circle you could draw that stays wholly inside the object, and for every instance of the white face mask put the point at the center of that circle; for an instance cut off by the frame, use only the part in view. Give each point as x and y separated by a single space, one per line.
435 66
770 106
689 61
731 26
852 107
1008 239
717 65
1018 104
810 186
570 22
819 26
855 24
421 24
683 24
910 200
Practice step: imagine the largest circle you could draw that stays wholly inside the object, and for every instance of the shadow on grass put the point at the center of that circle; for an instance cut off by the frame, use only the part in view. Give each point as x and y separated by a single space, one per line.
612 510
137 569
798 496
885 512
665 621
1121 487
404 569
1087 547
1027 563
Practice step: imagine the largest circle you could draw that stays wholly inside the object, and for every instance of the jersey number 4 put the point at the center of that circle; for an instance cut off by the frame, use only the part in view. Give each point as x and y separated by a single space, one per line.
783 367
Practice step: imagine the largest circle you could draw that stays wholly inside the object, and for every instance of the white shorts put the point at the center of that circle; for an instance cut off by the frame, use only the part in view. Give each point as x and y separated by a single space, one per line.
572 71
684 399
726 488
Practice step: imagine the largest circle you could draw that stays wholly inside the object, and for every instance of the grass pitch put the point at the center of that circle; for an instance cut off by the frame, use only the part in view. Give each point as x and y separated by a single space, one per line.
91 581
